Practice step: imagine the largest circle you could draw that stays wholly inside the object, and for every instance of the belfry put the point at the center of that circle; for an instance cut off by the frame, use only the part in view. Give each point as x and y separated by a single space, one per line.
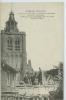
11 24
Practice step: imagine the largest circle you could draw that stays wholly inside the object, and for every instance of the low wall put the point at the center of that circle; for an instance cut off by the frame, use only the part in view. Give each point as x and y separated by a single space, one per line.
40 89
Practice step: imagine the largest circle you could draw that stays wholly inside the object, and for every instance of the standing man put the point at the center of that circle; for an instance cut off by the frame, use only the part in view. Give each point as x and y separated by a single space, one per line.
40 77
26 79
33 79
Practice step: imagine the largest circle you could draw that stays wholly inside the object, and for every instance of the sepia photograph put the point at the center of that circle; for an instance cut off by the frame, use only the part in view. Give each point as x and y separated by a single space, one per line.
32 50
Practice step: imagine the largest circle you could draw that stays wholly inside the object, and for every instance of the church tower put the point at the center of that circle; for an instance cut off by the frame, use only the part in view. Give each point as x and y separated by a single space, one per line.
13 44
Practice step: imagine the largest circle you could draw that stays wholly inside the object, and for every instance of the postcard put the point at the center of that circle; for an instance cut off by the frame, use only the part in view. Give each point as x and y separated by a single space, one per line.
32 50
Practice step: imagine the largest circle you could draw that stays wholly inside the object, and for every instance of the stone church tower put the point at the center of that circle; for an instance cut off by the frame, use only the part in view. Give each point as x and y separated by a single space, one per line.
13 47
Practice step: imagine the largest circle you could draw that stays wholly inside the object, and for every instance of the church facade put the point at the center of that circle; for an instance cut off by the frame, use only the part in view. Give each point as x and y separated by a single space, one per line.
13 47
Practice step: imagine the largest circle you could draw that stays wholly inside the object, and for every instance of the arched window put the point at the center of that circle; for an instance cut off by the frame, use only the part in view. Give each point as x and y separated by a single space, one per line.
17 44
9 43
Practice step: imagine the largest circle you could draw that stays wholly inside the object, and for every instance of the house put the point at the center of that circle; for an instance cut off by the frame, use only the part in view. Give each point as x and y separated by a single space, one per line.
8 86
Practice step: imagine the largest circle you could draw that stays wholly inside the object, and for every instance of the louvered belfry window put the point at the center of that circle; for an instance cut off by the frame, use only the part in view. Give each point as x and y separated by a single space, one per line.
9 43
17 44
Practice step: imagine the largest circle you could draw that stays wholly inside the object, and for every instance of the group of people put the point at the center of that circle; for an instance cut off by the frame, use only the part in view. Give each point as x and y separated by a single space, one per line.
33 78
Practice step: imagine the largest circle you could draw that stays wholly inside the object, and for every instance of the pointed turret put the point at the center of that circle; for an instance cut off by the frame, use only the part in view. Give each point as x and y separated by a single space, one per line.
11 24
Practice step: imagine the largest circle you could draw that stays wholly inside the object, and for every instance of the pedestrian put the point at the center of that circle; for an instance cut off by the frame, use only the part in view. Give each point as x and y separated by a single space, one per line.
26 79
40 76
33 79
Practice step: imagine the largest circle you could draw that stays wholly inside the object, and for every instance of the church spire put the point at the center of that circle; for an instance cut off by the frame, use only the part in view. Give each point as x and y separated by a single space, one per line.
11 17
11 24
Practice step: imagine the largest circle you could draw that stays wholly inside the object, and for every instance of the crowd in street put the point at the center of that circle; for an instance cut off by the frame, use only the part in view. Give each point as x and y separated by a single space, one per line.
33 78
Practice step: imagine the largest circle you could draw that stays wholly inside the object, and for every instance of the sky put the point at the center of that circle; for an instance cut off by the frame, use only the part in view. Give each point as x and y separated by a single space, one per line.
44 37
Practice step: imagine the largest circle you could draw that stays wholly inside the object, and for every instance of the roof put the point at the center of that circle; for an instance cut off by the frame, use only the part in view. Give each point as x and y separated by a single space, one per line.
11 13
7 67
